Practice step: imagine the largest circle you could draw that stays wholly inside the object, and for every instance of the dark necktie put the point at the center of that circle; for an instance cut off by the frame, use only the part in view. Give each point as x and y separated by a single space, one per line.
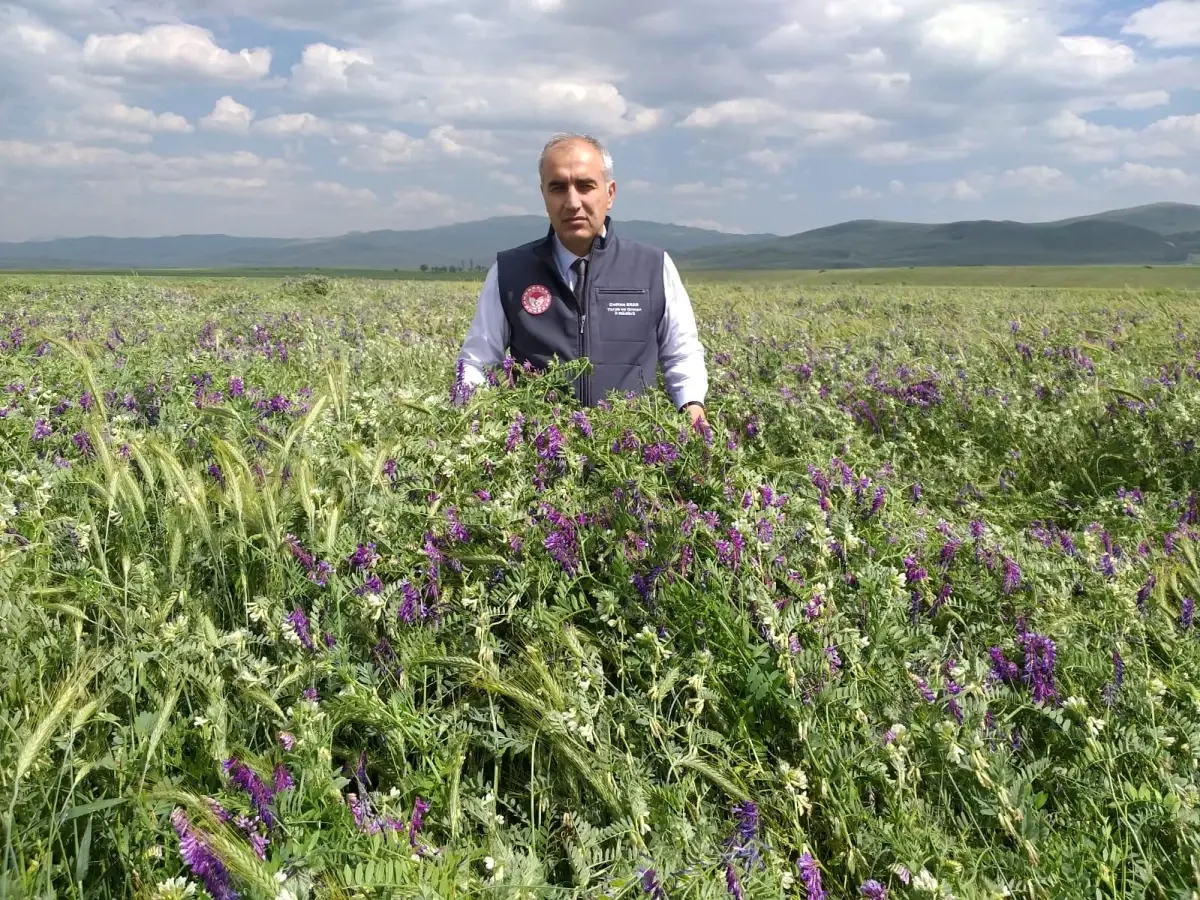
580 269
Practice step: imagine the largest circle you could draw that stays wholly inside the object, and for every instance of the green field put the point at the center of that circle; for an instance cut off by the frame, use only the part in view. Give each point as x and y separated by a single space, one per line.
915 616
1107 277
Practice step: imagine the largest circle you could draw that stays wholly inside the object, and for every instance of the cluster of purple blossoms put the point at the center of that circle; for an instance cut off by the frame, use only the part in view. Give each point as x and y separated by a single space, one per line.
873 890
729 552
298 623
1012 575
201 859
1187 610
562 542
651 886
659 453
810 878
261 794
318 571
363 557
1037 670
514 433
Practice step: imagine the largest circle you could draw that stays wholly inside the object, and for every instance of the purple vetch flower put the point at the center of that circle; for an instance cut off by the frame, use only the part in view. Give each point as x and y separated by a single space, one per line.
214 470
580 420
320 573
1145 591
733 884
83 443
281 779
236 387
650 885
363 557
311 695
1186 611
287 740
373 585
458 531
411 607
249 781
1012 575
550 443
835 659
1003 669
659 453
925 690
201 859
1039 666
876 502
41 430
746 825
514 433
484 496
810 878
873 890
418 820
955 710
297 622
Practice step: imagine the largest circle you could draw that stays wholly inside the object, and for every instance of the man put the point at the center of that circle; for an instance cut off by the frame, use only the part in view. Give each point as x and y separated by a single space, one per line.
583 291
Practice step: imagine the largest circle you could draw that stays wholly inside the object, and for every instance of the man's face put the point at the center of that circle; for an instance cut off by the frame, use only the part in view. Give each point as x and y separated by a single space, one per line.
576 197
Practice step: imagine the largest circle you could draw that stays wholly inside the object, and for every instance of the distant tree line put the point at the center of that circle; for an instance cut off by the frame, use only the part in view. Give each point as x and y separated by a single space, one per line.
469 266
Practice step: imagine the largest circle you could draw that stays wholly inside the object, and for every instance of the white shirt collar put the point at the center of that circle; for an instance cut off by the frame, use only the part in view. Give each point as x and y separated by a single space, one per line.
565 258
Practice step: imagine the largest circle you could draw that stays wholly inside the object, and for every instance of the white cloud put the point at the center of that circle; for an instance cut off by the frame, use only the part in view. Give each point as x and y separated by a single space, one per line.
1132 174
1171 23
1042 178
208 186
228 115
858 192
1144 100
186 50
137 119
1012 104
419 199
772 161
744 111
324 69
982 34
345 194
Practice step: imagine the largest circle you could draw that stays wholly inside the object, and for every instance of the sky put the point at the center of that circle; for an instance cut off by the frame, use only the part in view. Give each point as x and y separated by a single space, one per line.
303 118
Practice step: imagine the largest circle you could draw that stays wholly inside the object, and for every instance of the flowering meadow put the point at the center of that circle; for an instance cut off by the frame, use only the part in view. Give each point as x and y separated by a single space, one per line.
913 618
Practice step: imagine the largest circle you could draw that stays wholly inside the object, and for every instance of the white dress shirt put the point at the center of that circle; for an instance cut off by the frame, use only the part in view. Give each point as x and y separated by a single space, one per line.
679 349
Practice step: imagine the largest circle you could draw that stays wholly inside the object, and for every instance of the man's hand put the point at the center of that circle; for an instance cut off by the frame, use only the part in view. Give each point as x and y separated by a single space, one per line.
696 411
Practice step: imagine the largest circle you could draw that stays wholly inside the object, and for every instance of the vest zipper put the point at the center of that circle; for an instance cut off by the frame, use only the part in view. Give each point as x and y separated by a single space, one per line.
584 380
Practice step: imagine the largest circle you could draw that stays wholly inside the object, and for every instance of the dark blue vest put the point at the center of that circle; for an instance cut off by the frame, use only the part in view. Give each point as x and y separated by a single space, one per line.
615 327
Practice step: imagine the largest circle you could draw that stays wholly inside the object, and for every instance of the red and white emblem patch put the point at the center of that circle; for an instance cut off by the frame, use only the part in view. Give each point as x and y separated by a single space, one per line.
536 299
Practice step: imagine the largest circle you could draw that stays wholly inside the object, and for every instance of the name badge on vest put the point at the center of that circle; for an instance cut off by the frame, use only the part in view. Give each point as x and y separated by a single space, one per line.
624 313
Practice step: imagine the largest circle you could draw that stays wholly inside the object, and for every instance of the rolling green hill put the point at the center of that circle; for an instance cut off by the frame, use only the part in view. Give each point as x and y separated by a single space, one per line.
461 244
1162 218
1104 239
1161 233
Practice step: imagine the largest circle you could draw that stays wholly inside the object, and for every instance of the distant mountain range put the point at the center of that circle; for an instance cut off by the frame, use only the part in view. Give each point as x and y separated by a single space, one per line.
1159 233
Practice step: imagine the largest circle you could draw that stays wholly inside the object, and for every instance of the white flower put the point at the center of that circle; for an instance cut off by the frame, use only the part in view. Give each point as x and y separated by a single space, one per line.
925 882
174 889
489 863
